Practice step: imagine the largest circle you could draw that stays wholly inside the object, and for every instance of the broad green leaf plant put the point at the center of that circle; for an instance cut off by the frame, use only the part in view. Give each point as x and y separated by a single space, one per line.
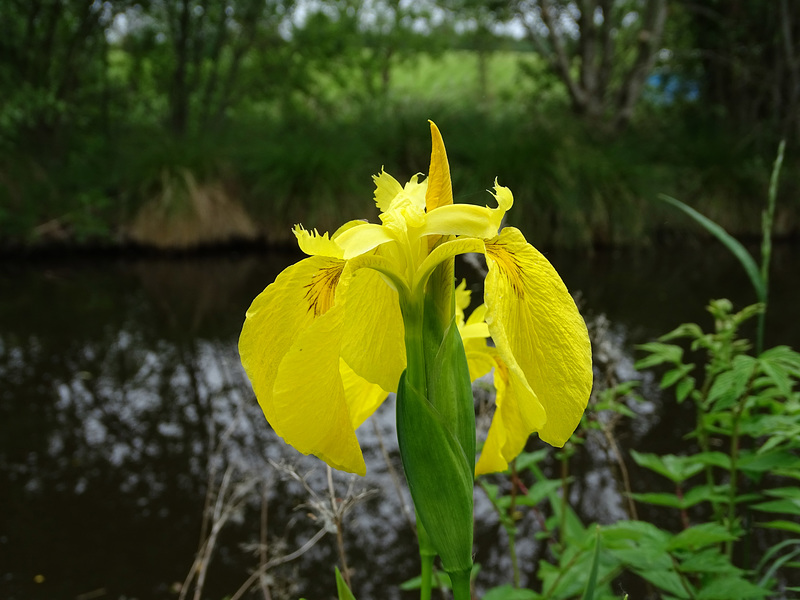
373 310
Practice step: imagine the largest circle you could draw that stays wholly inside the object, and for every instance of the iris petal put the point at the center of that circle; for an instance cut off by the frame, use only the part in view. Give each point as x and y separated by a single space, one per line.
440 188
311 412
508 433
282 331
362 238
535 324
386 188
374 342
362 397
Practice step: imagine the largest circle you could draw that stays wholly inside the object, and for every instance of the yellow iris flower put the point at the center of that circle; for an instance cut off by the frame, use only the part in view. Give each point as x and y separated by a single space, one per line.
324 343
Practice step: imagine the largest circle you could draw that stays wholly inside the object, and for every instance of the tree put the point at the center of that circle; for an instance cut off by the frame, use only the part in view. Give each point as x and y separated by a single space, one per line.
745 55
602 50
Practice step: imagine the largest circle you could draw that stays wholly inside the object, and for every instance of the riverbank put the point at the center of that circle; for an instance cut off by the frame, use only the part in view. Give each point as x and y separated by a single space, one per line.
570 189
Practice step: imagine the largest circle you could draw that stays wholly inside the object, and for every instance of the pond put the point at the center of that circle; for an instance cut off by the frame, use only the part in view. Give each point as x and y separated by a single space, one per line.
124 412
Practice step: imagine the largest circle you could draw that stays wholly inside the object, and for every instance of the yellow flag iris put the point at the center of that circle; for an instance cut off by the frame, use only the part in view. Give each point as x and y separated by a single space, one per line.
324 343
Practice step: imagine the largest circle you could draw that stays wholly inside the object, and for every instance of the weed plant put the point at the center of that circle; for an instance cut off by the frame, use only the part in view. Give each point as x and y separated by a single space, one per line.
734 489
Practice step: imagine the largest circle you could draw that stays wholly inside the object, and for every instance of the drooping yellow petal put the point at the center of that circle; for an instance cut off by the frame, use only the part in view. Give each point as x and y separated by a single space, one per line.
289 318
508 432
311 411
362 397
535 324
440 189
374 341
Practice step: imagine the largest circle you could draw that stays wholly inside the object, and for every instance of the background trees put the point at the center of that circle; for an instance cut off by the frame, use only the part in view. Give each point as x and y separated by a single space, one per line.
102 102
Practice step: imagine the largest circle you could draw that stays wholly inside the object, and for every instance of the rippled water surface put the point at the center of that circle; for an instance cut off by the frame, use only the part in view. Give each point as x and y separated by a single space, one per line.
122 399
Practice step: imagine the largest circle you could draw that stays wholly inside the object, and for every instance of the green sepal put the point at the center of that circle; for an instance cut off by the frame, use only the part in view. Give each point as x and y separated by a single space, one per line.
342 590
439 476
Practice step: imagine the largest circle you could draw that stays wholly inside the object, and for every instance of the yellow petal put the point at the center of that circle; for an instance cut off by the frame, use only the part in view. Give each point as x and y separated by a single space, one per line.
362 238
479 358
281 322
508 432
386 188
478 315
314 244
311 412
535 324
470 220
462 299
440 189
464 220
374 342
362 397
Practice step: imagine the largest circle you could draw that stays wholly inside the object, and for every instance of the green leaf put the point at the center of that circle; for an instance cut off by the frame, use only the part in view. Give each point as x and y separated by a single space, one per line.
754 463
785 505
672 376
507 592
588 593
739 251
341 587
710 560
528 459
725 588
676 468
539 491
440 578
640 532
439 475
450 390
690 330
684 388
730 386
700 536
668 581
659 354
716 459
790 526
660 499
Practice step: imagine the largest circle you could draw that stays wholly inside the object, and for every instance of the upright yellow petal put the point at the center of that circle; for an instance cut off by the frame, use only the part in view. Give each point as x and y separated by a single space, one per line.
440 189
289 348
535 324
386 188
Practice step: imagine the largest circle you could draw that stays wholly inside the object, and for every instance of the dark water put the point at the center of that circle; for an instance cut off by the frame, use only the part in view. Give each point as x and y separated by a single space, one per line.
121 397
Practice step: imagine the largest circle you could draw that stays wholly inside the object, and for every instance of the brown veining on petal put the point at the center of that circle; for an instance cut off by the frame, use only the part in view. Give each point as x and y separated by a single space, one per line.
321 292
509 266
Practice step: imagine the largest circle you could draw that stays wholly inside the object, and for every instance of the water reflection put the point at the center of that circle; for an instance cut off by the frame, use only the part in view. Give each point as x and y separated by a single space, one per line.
119 379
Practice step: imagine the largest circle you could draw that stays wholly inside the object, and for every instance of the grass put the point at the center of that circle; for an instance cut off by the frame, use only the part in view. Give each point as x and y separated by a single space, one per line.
311 161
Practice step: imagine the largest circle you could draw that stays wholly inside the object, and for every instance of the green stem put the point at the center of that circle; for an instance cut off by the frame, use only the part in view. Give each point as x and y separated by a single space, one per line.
415 349
766 242
562 533
426 581
733 486
512 528
462 588
426 556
